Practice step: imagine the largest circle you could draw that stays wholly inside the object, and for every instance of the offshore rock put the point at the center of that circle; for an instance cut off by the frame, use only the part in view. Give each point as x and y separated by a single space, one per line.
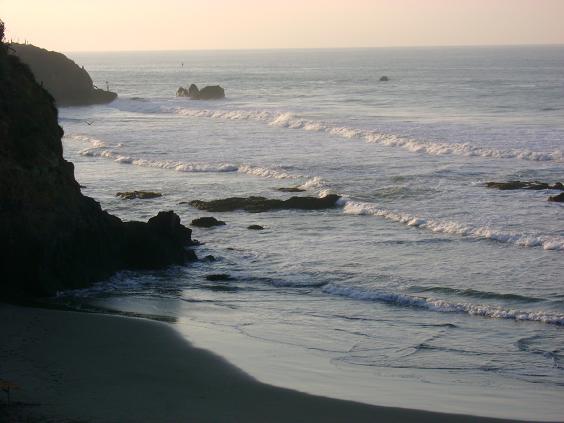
211 92
67 82
54 237
255 227
262 204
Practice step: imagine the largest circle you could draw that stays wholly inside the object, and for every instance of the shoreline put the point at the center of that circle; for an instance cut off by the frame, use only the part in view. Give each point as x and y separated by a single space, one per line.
102 368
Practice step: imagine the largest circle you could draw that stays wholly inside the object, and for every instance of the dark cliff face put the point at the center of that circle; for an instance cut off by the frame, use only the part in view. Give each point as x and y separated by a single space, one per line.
68 83
53 237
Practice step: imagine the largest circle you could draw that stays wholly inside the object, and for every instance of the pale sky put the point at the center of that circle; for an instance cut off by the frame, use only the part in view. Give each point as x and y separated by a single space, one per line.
104 25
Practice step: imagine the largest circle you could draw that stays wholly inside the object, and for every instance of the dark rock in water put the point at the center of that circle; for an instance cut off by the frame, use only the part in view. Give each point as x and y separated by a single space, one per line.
255 227
557 198
384 78
68 83
194 92
261 204
142 195
209 258
207 222
53 237
182 92
216 277
536 185
211 92
290 189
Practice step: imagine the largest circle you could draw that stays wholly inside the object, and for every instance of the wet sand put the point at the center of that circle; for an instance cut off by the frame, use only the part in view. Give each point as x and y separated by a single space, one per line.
72 366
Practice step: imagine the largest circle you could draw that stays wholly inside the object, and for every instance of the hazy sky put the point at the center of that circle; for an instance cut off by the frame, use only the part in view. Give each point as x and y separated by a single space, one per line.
81 25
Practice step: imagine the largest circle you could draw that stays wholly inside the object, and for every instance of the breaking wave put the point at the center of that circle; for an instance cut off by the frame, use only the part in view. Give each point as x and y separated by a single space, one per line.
99 148
442 306
291 121
456 228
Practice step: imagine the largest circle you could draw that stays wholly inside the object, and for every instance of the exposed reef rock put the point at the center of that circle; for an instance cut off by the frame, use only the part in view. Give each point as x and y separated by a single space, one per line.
511 185
53 236
255 227
557 198
67 82
207 222
261 204
141 195
211 92
384 78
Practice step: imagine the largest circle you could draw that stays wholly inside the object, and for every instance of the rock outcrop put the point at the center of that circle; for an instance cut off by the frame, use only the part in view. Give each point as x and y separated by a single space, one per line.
67 82
53 237
211 92
262 204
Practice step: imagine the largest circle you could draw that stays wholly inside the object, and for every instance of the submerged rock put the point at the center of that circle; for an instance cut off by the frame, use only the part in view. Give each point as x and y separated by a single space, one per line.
290 189
211 92
216 277
262 204
384 78
68 83
53 236
207 222
557 198
142 195
255 227
535 185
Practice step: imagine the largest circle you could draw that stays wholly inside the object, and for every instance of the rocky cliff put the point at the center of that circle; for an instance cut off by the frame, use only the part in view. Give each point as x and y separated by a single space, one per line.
52 236
67 82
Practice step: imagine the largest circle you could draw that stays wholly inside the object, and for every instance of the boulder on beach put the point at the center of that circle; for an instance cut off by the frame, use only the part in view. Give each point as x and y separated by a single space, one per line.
262 204
141 195
207 222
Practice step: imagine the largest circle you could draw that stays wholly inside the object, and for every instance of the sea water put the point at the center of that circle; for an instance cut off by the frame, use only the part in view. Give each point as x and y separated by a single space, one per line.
422 288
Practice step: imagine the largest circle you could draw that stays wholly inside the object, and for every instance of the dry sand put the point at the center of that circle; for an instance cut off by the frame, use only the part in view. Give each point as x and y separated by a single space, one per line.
84 367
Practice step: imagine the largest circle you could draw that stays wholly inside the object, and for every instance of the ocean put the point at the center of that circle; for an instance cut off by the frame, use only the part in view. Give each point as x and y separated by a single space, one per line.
422 288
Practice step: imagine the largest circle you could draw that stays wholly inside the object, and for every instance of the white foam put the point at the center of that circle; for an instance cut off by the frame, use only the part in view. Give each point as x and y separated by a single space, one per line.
291 121
456 228
439 305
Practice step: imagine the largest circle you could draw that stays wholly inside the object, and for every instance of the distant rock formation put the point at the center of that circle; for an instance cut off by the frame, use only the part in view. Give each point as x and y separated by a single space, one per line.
53 237
211 92
261 204
69 84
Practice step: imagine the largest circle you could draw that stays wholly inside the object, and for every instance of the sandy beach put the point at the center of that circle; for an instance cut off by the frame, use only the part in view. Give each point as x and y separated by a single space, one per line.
72 366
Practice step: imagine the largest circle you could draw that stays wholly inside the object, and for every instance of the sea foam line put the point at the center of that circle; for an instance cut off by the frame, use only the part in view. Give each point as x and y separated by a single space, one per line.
291 121
442 306
456 228
99 148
